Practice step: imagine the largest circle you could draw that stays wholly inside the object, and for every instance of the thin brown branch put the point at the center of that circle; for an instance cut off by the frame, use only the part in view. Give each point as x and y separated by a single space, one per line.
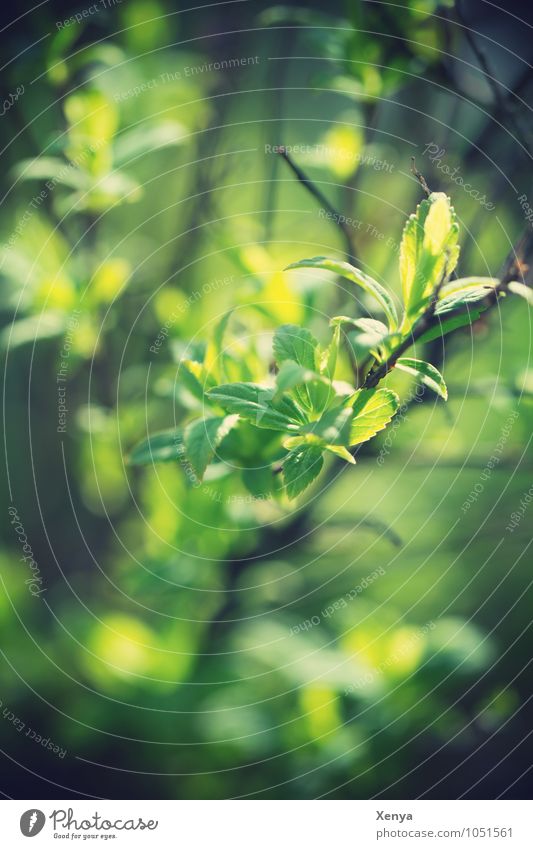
338 219
420 177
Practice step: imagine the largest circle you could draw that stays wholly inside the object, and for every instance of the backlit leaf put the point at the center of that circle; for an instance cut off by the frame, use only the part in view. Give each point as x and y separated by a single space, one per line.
373 410
427 373
370 286
428 250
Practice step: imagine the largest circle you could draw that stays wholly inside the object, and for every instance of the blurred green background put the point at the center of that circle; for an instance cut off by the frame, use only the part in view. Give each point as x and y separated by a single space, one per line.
180 642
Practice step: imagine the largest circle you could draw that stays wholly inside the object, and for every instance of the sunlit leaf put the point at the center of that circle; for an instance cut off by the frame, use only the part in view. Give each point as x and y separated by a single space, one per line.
341 452
427 373
467 284
368 284
328 358
255 404
447 325
428 250
373 410
370 335
463 298
333 427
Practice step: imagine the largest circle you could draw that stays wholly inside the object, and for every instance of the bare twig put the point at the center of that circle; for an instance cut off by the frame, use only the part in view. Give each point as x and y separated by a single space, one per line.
322 199
420 177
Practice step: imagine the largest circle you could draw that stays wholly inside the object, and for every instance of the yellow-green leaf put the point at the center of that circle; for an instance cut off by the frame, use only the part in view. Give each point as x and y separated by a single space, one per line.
373 410
428 251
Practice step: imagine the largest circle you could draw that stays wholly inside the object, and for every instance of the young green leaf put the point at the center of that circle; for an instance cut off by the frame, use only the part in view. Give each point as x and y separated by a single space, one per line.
428 250
341 452
370 332
255 404
438 223
295 343
520 289
328 358
291 374
349 272
312 390
301 468
448 324
373 410
427 373
455 302
202 437
466 284
333 427
162 447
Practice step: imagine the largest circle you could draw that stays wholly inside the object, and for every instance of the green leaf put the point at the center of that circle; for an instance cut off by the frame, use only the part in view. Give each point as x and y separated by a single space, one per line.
162 447
202 437
341 452
312 390
295 343
466 284
449 324
520 289
438 223
373 410
428 374
291 374
298 345
349 272
328 358
301 468
428 250
458 300
333 427
255 404
370 332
